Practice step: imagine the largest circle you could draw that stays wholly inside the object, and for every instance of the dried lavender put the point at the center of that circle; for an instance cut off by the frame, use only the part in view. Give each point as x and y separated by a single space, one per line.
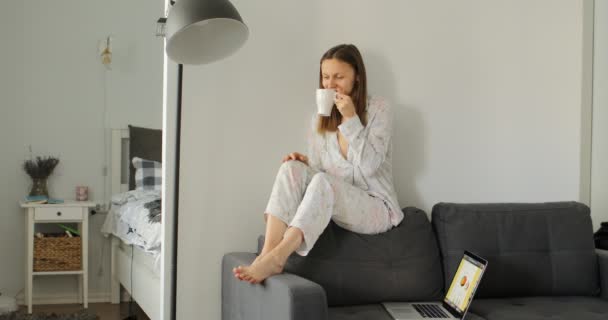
41 167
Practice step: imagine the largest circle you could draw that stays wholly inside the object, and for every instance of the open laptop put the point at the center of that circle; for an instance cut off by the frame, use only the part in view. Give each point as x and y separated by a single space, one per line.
456 302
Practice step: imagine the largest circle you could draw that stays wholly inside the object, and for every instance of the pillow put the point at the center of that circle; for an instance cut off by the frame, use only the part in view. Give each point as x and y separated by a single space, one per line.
402 264
146 144
148 174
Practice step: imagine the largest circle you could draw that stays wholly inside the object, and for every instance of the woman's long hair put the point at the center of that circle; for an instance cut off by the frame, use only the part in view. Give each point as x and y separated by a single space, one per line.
347 53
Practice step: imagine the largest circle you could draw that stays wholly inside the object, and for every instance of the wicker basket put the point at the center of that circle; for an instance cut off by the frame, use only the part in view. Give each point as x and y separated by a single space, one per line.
57 254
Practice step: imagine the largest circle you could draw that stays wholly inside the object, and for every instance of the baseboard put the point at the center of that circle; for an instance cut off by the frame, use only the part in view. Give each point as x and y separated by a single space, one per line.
94 297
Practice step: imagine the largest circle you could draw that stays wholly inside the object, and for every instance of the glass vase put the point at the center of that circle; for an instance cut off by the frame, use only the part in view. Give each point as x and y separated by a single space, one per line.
39 188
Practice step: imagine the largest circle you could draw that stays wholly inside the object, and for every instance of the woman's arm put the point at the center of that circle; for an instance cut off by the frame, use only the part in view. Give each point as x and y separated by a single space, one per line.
369 151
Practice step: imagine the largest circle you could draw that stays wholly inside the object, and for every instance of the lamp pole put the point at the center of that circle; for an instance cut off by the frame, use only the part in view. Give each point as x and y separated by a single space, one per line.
178 127
196 32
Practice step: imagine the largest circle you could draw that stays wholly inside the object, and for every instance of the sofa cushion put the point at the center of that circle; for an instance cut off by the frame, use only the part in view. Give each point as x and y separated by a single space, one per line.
540 249
362 312
402 264
532 308
371 312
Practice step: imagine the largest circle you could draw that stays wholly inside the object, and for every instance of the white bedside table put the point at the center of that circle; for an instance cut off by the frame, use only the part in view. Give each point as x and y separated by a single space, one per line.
68 212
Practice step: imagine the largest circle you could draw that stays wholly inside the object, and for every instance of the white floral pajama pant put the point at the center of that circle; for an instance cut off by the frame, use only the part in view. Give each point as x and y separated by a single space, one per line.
307 199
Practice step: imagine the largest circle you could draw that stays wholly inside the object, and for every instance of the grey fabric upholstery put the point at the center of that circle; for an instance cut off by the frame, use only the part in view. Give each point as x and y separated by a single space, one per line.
362 312
402 264
281 297
146 144
538 249
532 249
536 308
472 316
371 312
603 264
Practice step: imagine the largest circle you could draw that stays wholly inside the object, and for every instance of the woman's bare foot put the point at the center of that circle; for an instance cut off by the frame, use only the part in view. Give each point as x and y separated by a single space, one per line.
239 270
261 269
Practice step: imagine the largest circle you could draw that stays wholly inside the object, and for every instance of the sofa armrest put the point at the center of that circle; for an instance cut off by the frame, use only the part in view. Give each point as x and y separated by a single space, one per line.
602 257
280 297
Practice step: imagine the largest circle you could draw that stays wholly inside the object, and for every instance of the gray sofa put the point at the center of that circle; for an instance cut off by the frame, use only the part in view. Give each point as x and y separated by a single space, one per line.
542 265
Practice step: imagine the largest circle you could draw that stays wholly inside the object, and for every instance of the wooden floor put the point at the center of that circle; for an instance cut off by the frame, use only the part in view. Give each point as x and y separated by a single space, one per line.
105 311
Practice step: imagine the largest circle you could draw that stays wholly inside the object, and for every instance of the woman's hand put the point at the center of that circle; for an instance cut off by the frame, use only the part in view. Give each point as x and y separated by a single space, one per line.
296 156
345 105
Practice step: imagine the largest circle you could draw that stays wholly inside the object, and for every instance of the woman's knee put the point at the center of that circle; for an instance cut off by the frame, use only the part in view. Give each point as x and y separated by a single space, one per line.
320 179
292 165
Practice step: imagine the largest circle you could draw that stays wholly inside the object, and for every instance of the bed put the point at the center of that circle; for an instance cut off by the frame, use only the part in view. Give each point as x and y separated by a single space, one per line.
135 263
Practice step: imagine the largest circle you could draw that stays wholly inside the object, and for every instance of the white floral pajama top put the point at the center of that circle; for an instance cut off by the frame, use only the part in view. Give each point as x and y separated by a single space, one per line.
357 192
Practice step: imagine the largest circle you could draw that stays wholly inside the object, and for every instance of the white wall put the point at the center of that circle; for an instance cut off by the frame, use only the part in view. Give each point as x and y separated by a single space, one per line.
487 98
599 186
11 91
53 100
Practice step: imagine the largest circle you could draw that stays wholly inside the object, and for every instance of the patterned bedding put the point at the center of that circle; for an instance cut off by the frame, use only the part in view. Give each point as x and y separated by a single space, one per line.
135 218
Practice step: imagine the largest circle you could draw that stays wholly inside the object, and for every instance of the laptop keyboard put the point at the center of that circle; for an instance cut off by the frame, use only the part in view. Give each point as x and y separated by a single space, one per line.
430 311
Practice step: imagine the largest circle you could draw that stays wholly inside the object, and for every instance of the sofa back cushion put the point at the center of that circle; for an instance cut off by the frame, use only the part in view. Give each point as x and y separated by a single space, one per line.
402 264
535 249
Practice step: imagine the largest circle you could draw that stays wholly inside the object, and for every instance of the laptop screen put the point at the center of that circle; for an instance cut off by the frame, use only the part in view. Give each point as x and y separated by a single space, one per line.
465 282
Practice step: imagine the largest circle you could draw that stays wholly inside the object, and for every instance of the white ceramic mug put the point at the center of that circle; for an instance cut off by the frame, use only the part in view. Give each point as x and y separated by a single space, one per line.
325 101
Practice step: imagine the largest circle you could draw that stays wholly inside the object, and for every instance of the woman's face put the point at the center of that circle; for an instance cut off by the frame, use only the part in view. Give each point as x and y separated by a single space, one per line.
337 75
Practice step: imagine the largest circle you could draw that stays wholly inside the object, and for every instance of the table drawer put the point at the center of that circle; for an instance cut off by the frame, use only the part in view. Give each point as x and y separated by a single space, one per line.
58 213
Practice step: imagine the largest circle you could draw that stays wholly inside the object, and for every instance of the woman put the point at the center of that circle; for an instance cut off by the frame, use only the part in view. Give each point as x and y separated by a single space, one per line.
347 177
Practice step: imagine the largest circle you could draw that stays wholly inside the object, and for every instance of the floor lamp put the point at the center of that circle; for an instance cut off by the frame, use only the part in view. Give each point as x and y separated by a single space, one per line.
197 32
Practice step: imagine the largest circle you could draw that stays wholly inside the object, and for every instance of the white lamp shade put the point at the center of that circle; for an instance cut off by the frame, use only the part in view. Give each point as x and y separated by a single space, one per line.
203 31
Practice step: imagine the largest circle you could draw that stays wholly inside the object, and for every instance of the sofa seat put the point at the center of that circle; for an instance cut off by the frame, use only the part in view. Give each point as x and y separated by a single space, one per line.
533 308
370 312
362 312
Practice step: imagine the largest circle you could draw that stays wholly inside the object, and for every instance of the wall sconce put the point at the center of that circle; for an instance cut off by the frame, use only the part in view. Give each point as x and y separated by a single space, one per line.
106 53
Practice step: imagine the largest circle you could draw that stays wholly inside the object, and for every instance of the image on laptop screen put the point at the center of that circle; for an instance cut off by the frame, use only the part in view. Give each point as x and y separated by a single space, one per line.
464 283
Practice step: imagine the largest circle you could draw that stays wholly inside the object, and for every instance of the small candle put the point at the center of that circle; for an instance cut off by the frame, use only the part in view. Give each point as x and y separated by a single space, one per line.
82 193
